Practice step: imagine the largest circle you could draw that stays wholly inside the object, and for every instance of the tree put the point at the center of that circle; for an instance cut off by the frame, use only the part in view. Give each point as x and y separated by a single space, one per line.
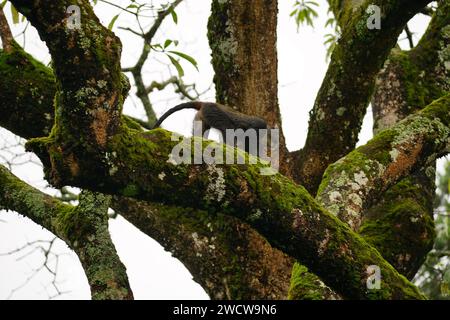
334 213
433 276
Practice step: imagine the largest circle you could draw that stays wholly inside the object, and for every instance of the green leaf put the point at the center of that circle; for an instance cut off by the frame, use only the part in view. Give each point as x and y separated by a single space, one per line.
174 15
186 57
2 5
304 13
177 65
167 43
330 22
156 46
15 14
111 24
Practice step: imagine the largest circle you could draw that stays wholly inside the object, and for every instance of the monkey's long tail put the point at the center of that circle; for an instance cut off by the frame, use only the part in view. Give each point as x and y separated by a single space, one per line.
187 105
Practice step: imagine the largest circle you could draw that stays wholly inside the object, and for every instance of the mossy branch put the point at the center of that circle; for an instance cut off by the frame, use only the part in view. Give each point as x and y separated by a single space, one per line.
353 183
345 93
84 228
135 164
281 211
400 224
227 257
29 114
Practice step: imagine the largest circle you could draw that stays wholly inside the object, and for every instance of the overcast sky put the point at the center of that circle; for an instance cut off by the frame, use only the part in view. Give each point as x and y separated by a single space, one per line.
152 272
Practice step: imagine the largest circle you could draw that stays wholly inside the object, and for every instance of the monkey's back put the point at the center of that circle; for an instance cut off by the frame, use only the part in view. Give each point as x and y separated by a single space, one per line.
227 118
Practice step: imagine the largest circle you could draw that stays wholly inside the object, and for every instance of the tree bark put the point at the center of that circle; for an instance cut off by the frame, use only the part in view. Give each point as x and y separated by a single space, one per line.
114 158
409 81
83 228
345 93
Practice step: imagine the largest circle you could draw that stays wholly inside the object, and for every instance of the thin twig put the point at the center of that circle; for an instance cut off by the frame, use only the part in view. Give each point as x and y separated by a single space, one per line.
409 36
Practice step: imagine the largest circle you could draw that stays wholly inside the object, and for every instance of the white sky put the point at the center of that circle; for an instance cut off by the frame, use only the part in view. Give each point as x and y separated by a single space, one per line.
152 272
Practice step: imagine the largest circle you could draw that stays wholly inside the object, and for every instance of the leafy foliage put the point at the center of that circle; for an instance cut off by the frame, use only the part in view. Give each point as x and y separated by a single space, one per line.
304 12
331 39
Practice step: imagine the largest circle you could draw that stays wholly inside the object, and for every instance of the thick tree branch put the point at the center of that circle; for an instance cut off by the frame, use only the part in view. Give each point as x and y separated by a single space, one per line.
36 117
243 38
86 60
284 213
409 81
348 85
206 243
27 90
136 164
354 182
83 228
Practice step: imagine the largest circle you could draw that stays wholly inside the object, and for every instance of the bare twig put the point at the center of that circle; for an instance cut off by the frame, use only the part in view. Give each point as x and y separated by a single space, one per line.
409 36
5 33
132 31
49 258
136 70
66 195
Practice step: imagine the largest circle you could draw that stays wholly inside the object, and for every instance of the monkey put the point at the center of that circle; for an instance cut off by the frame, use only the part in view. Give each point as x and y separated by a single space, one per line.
220 117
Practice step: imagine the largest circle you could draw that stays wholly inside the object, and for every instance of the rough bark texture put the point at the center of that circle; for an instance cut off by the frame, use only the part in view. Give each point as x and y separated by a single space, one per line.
243 37
27 90
113 158
83 228
90 86
220 251
394 153
5 33
263 273
271 204
409 81
343 98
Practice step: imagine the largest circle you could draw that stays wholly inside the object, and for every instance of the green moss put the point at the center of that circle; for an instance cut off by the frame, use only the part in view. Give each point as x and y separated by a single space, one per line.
379 147
131 190
416 90
26 94
401 226
439 109
130 123
305 286
74 225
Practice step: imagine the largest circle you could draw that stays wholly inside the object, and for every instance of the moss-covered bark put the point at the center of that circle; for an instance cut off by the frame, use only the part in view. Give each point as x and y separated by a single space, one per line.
258 271
136 164
401 224
307 286
243 37
283 212
83 228
27 89
228 258
86 62
353 183
348 85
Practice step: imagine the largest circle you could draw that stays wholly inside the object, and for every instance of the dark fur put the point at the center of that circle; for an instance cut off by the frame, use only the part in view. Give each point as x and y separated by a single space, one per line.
217 116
